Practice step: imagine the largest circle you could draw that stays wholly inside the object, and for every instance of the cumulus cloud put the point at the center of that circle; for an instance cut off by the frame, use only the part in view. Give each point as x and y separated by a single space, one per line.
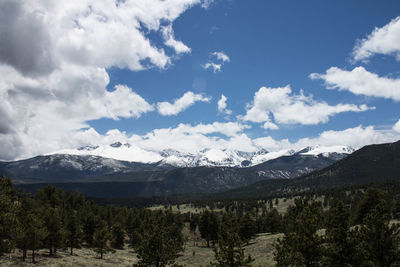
169 38
217 60
359 81
25 41
180 104
273 106
54 59
222 105
213 66
123 102
356 137
221 56
396 127
385 40
270 126
193 138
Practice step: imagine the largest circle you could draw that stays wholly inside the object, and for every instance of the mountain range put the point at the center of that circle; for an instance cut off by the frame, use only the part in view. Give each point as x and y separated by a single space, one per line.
107 177
206 157
370 164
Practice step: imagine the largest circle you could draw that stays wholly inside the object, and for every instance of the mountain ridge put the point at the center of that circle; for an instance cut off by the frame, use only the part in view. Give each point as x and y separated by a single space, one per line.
205 157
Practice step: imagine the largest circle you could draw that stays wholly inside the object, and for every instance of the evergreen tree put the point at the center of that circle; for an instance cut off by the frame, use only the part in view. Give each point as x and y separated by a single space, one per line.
379 242
247 228
209 226
230 252
159 243
194 222
7 216
372 198
31 229
339 239
90 223
118 236
101 238
53 225
49 195
301 245
73 231
273 221
134 223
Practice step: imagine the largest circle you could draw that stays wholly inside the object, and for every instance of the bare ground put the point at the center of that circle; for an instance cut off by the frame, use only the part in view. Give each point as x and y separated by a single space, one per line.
261 248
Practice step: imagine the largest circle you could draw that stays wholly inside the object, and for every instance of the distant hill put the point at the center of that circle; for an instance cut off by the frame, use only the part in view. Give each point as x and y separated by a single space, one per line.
155 182
373 163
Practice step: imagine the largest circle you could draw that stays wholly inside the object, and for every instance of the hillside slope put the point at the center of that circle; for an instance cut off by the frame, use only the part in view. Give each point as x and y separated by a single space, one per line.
373 163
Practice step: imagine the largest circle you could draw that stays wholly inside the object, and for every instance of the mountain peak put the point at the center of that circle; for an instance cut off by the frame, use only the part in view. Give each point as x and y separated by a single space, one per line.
205 157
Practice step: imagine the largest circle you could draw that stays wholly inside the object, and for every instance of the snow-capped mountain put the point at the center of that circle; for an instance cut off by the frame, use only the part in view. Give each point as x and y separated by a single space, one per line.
169 171
205 157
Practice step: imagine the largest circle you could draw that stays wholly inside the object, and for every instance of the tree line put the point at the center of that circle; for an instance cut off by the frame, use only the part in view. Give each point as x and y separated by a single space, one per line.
57 220
338 237
345 228
54 220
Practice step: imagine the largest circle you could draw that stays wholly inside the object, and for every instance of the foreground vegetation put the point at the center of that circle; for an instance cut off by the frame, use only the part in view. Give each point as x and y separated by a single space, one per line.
337 228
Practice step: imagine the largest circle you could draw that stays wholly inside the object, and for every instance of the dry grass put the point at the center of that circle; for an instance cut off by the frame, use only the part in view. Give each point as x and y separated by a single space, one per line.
183 208
261 248
82 257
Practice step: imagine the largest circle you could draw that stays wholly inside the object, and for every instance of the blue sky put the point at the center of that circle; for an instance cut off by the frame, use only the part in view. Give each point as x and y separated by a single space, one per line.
269 43
82 57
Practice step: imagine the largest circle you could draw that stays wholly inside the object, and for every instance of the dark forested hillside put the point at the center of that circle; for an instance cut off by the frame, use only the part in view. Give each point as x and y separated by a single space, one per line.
176 181
374 163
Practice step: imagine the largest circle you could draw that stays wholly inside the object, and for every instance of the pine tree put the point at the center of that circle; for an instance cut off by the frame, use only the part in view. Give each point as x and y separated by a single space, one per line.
194 222
90 223
133 225
247 228
209 226
53 225
372 198
118 236
49 195
7 216
301 244
31 229
273 221
73 231
230 252
379 242
101 238
159 243
340 241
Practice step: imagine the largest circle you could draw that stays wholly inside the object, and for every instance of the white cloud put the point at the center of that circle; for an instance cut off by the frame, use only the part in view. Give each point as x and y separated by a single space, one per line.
169 38
270 126
396 127
213 66
221 56
359 81
188 138
51 85
281 106
193 138
356 137
217 60
123 102
180 104
206 4
222 105
385 40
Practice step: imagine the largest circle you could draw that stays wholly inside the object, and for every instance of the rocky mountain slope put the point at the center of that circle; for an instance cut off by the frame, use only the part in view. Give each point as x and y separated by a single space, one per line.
205 157
156 182
370 164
